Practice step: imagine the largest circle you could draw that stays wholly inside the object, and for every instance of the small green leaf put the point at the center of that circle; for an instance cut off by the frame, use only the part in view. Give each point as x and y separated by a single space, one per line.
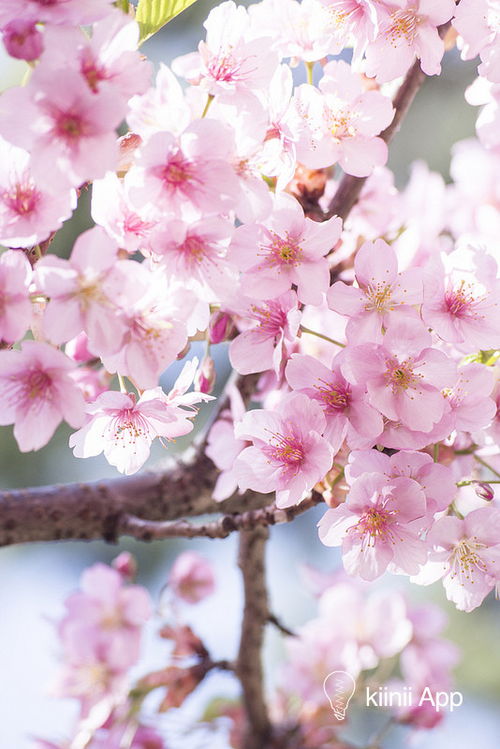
152 15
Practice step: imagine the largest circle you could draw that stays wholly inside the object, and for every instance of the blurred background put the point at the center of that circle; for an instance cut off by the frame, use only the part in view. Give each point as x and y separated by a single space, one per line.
37 578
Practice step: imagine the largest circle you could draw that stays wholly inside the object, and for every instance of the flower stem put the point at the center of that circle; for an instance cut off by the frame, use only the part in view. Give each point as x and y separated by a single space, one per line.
210 99
309 71
486 465
123 387
321 335
435 453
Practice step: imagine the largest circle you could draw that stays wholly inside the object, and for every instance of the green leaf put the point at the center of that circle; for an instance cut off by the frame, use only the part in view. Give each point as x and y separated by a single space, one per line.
152 15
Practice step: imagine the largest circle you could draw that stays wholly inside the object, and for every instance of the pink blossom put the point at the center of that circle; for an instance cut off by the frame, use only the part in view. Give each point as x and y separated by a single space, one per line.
273 326
67 129
23 39
63 12
344 405
108 61
162 107
404 376
154 312
461 300
288 454
341 122
191 577
287 249
29 209
376 526
437 481
192 169
469 399
466 555
124 428
37 393
484 94
356 22
195 252
278 153
112 208
382 292
223 447
15 304
477 23
81 293
408 29
229 61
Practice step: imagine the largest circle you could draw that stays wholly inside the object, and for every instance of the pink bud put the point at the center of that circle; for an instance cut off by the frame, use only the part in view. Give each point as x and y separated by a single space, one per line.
205 376
220 328
128 144
484 491
126 565
23 40
77 348
191 577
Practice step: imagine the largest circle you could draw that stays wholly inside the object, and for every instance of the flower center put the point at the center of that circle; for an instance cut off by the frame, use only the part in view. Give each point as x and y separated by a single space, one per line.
22 198
379 297
271 318
36 383
287 450
282 251
177 172
340 124
335 396
193 248
400 375
460 302
224 68
403 26
69 126
466 562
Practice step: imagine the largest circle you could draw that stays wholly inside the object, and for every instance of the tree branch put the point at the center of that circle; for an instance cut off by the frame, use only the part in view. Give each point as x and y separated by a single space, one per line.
350 187
147 530
255 615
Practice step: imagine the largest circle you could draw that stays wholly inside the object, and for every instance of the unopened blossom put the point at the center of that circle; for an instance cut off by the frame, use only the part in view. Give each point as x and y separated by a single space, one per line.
230 61
381 293
69 131
30 209
223 447
15 304
191 577
123 428
408 29
37 393
23 39
477 23
268 328
404 376
466 555
288 454
81 292
461 299
341 122
345 406
287 249
193 168
376 526
437 481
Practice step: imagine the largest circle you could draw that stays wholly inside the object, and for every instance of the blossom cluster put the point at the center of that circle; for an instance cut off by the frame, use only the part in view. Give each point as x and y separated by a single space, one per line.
376 337
378 638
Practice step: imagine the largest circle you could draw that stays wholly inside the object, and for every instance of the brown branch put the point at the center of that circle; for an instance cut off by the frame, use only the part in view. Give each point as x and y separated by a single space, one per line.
350 187
147 530
255 615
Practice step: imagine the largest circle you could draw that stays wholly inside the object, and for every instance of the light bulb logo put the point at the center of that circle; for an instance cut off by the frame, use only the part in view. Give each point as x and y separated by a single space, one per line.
339 687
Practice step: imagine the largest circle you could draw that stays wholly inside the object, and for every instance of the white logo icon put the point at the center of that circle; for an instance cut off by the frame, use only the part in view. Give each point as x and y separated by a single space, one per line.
339 687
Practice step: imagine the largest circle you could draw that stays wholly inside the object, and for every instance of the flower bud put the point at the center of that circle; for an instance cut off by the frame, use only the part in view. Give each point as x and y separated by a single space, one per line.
191 577
204 380
126 565
220 327
484 491
77 348
23 40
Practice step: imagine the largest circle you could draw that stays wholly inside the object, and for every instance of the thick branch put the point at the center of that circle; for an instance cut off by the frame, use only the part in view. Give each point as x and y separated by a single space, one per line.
255 615
148 530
